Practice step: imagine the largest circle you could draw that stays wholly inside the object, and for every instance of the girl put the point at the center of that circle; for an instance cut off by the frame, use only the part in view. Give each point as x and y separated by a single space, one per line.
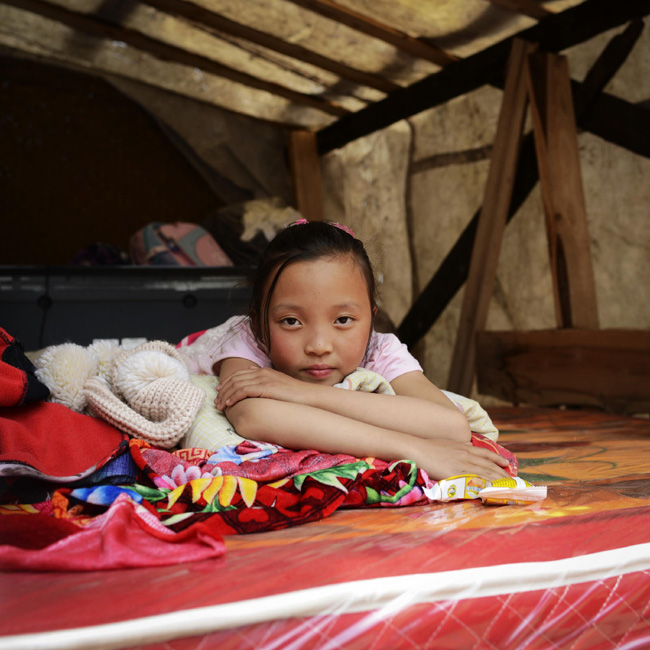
311 324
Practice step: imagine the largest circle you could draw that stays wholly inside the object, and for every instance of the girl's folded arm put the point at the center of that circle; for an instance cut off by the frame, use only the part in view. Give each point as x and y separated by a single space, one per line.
419 409
406 413
298 426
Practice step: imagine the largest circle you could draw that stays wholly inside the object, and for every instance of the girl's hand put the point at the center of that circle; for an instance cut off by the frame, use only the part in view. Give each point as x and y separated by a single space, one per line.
257 382
442 458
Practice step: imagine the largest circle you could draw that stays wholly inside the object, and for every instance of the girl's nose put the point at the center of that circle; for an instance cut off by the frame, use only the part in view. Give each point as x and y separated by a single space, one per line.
318 343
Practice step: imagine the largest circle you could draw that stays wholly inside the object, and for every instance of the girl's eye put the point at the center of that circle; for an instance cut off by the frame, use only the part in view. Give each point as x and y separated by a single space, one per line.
290 320
344 320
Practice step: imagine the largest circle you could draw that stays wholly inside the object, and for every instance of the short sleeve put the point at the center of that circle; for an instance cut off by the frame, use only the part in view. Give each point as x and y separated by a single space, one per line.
389 357
241 343
233 338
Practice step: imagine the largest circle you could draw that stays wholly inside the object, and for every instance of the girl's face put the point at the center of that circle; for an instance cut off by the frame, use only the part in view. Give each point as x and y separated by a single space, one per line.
320 320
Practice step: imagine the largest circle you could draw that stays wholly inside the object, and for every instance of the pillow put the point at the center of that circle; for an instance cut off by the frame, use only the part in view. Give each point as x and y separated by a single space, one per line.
211 429
479 421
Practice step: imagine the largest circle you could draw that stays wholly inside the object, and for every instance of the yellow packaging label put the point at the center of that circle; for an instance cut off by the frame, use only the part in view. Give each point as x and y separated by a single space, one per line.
503 491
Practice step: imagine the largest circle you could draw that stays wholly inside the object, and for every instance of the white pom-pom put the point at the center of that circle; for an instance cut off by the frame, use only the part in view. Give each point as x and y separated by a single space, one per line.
64 369
104 350
142 368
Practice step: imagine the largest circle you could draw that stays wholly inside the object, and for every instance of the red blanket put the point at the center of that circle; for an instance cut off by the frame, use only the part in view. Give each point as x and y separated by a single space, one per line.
126 535
48 440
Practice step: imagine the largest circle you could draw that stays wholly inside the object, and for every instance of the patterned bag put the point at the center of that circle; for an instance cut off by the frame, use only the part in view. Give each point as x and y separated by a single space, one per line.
176 244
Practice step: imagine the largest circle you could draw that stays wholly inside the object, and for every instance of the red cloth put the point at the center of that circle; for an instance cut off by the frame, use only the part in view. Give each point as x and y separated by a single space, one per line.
125 536
34 531
18 381
55 440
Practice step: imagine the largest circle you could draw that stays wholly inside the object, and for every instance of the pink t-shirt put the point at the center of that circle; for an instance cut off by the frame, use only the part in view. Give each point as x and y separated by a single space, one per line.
386 355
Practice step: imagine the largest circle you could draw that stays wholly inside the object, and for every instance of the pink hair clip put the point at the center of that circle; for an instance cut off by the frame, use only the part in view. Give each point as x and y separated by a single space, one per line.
340 226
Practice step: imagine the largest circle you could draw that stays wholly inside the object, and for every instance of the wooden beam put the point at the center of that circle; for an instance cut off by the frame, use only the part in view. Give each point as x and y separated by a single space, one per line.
306 172
368 25
619 122
553 34
451 158
606 66
609 117
102 29
556 142
492 221
607 369
38 38
530 8
196 13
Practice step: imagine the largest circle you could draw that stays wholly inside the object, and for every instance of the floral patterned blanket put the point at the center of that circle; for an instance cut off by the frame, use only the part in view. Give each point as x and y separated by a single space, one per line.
195 496
254 487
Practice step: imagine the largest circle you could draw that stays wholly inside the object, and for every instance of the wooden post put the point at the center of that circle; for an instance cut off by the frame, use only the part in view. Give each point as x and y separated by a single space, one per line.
305 168
492 220
558 160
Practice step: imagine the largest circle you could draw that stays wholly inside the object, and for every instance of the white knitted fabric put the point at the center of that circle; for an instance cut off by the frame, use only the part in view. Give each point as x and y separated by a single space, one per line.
159 402
140 369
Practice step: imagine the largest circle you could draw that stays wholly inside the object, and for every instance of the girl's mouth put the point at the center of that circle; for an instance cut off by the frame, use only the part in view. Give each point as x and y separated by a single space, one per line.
319 372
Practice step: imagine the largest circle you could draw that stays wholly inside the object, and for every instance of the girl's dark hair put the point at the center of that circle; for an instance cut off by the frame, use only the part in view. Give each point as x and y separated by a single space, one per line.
303 242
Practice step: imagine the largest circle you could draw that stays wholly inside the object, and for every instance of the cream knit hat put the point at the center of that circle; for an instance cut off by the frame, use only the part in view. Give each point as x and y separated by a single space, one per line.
152 397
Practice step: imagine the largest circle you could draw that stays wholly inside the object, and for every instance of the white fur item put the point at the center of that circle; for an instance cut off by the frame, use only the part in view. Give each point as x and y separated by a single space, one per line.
105 351
268 216
64 369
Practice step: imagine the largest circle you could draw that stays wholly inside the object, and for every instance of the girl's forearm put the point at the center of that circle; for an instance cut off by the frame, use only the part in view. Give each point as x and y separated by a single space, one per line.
403 413
300 426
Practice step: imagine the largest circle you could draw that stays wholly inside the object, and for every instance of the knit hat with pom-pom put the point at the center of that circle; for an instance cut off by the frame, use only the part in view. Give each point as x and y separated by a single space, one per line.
152 399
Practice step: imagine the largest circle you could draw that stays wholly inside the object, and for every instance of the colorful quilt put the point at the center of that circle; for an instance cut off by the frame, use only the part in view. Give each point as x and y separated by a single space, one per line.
248 488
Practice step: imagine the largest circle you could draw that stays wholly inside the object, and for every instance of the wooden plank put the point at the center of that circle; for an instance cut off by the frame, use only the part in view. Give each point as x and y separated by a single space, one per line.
597 109
530 8
491 224
306 172
608 369
192 11
367 25
553 34
98 27
556 142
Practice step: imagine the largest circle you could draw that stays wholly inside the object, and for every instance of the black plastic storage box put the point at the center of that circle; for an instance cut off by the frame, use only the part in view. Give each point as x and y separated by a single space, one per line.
42 306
